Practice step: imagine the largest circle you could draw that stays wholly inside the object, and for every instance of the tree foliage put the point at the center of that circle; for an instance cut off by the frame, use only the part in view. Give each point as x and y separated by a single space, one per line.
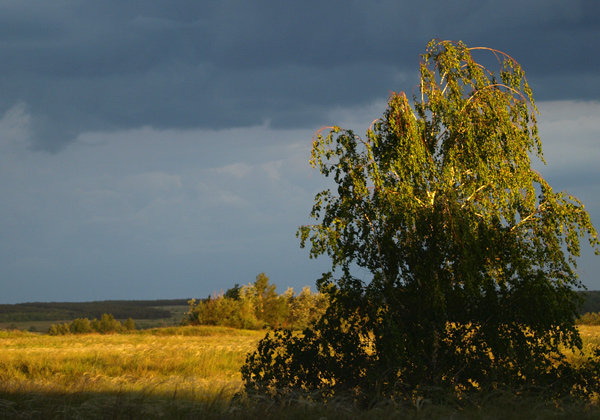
256 306
106 325
466 256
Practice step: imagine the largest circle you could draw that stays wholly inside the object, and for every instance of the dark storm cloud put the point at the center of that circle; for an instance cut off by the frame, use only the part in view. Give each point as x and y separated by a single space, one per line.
84 66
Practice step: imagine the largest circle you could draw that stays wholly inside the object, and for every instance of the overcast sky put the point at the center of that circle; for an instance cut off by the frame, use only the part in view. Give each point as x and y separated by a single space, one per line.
159 149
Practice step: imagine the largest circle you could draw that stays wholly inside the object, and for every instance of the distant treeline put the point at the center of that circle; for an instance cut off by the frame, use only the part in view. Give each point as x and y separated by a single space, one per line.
591 301
57 311
147 309
590 310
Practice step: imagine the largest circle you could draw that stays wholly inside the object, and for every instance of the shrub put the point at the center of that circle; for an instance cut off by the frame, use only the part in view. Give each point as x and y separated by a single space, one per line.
59 329
257 306
108 324
80 326
589 318
129 325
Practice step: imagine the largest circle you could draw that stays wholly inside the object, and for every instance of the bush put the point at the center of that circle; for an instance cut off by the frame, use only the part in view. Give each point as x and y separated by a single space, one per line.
222 311
129 325
81 326
589 318
304 308
59 329
106 325
257 306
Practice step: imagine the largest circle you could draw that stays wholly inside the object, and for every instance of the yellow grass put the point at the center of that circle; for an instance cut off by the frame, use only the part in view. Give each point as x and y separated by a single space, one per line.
188 373
189 365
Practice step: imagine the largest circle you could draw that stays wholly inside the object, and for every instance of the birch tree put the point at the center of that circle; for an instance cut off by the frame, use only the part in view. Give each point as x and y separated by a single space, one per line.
453 261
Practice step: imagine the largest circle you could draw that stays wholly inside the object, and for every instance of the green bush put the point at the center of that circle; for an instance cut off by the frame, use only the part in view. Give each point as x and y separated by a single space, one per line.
257 306
106 325
129 325
80 326
304 308
59 329
589 318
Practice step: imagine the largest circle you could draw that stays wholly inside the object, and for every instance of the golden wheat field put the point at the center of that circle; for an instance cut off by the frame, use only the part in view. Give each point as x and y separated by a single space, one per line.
181 373
189 361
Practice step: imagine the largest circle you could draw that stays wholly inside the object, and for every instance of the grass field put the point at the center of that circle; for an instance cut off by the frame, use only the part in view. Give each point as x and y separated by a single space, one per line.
186 373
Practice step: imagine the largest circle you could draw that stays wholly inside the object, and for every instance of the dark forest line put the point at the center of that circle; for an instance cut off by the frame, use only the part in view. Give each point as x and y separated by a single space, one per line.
146 309
58 311
591 301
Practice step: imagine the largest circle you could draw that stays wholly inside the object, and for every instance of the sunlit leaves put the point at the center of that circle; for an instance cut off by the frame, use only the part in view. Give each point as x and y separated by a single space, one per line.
470 253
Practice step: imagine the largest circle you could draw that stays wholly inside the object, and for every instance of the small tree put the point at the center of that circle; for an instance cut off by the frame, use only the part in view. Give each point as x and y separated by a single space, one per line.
234 292
81 326
471 252
269 308
95 324
59 329
264 293
129 325
108 324
304 308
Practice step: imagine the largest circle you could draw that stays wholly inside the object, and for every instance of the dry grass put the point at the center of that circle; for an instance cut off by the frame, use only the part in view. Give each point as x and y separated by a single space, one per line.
189 365
190 373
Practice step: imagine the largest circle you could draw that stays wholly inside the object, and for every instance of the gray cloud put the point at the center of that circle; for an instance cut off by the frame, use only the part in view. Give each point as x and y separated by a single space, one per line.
180 131
81 66
152 213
